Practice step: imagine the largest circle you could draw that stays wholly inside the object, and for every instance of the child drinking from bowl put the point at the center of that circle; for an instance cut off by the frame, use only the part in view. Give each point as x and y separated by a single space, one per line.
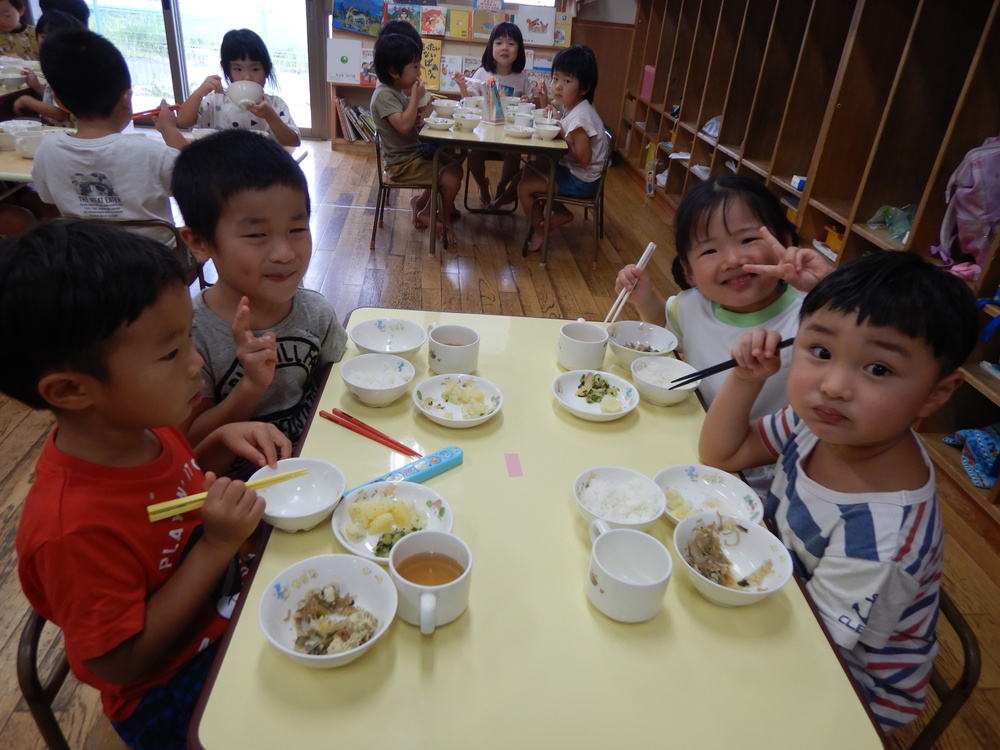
17 39
397 65
100 319
42 102
265 341
244 58
879 346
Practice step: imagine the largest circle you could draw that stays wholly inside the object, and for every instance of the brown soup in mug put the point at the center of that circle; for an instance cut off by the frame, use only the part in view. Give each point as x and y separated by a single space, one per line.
430 569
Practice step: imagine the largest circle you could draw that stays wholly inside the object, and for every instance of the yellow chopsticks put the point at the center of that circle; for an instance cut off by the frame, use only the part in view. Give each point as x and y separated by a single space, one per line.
171 508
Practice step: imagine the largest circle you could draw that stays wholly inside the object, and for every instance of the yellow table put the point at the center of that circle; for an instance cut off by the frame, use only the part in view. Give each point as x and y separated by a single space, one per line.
531 664
494 138
14 168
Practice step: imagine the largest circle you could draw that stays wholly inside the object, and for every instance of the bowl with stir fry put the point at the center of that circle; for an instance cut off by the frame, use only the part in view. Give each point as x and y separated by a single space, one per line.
631 339
594 395
327 610
730 561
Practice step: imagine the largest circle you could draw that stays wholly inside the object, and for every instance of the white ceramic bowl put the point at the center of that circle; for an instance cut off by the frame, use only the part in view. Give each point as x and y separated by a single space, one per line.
430 398
439 123
19 125
299 504
445 107
652 377
518 131
467 122
434 507
377 379
747 547
546 132
539 112
510 103
369 584
389 336
473 102
245 93
627 338
546 121
565 386
199 133
693 488
11 81
620 508
26 142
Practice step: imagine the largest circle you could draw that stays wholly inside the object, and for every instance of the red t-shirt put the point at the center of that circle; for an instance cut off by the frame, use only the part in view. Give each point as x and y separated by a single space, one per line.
89 557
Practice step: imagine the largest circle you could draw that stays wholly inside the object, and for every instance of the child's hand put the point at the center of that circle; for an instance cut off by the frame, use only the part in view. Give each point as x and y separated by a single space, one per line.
231 512
257 354
756 354
634 278
262 109
417 91
164 119
260 443
801 267
24 105
32 80
210 84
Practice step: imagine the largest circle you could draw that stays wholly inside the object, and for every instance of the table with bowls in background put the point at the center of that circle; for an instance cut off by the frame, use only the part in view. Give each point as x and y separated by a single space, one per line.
531 662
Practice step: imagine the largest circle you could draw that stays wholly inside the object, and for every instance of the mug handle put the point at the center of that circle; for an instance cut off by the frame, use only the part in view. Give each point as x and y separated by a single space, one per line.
428 612
597 527
431 327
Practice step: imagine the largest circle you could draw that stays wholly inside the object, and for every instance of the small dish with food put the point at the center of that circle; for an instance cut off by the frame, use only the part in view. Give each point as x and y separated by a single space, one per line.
457 400
518 131
439 123
631 339
373 517
594 395
653 377
693 488
623 498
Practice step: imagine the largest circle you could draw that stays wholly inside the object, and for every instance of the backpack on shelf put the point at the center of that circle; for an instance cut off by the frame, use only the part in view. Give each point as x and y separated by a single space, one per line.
973 198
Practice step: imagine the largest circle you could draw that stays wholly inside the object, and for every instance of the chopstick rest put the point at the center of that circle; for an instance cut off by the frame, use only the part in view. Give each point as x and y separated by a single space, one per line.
715 369
171 508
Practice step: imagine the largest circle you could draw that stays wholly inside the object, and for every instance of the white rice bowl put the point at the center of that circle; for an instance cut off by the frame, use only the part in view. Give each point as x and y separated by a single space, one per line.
622 497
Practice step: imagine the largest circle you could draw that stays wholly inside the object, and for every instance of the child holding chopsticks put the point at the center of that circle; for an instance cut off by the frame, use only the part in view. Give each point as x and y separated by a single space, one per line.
100 319
265 340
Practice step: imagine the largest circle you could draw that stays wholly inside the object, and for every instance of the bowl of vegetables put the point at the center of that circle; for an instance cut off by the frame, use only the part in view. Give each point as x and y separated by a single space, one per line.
631 339
594 395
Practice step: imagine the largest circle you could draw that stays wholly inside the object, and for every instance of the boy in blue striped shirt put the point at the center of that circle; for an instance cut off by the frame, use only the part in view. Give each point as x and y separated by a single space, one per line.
880 343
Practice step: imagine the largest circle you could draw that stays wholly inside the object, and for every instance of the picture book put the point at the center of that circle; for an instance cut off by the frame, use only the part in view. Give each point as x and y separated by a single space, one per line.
343 60
563 29
431 63
489 5
471 64
459 22
529 59
537 25
433 21
364 16
368 77
403 12
542 60
450 64
539 78
483 22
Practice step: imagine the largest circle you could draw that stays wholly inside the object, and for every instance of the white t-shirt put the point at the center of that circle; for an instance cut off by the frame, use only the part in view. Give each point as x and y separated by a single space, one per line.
512 84
583 115
115 177
218 111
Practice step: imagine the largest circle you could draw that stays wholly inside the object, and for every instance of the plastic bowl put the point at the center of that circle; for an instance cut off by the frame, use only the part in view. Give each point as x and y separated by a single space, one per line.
608 479
26 142
245 93
429 398
546 121
628 338
467 122
518 131
301 503
389 336
746 546
199 133
546 132
445 107
473 102
652 376
377 379
439 123
368 584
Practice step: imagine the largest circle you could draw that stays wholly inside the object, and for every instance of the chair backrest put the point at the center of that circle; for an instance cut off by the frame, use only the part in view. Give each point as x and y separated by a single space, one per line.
40 694
378 160
179 245
953 695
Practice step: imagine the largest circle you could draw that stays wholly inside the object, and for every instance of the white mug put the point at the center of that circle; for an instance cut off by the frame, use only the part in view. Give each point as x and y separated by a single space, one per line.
581 346
452 348
522 120
629 573
431 604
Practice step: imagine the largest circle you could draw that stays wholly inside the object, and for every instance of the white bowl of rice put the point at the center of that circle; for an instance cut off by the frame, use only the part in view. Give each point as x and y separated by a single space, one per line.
652 377
377 379
622 497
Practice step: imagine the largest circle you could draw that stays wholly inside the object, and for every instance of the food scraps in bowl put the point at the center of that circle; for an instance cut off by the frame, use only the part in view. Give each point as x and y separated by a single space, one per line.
328 622
595 395
457 400
693 488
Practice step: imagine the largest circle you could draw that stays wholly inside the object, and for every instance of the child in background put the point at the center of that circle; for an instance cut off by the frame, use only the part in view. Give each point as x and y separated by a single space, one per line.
265 340
244 58
101 319
45 107
397 65
503 59
574 80
99 173
879 345
17 39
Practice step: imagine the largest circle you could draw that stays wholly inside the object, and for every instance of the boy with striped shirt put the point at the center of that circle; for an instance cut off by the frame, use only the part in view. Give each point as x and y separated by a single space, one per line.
879 345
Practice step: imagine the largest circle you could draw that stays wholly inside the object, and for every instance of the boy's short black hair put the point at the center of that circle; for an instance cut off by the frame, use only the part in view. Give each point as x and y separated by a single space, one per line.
210 171
76 8
578 61
393 52
86 72
17 4
244 44
65 288
505 30
53 21
405 28
901 290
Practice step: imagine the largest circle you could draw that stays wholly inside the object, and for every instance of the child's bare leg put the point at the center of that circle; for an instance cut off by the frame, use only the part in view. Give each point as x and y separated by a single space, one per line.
513 190
511 166
529 186
420 210
477 168
450 181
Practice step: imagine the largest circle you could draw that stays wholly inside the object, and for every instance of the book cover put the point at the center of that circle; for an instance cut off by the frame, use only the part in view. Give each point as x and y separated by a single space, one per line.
484 21
431 63
346 127
470 65
450 65
537 25
489 5
433 21
364 16
563 30
403 12
368 77
529 59
540 80
542 60
343 60
459 23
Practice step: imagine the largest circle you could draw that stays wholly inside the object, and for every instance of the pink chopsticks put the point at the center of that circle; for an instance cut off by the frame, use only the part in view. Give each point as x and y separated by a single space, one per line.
366 430
151 112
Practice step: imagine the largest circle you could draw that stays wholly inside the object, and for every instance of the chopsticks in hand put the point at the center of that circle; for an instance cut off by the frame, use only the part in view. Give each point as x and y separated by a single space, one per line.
714 369
171 508
366 430
624 293
151 112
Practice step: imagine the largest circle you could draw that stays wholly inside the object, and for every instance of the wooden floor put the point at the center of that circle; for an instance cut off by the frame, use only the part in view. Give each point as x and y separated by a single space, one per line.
484 274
